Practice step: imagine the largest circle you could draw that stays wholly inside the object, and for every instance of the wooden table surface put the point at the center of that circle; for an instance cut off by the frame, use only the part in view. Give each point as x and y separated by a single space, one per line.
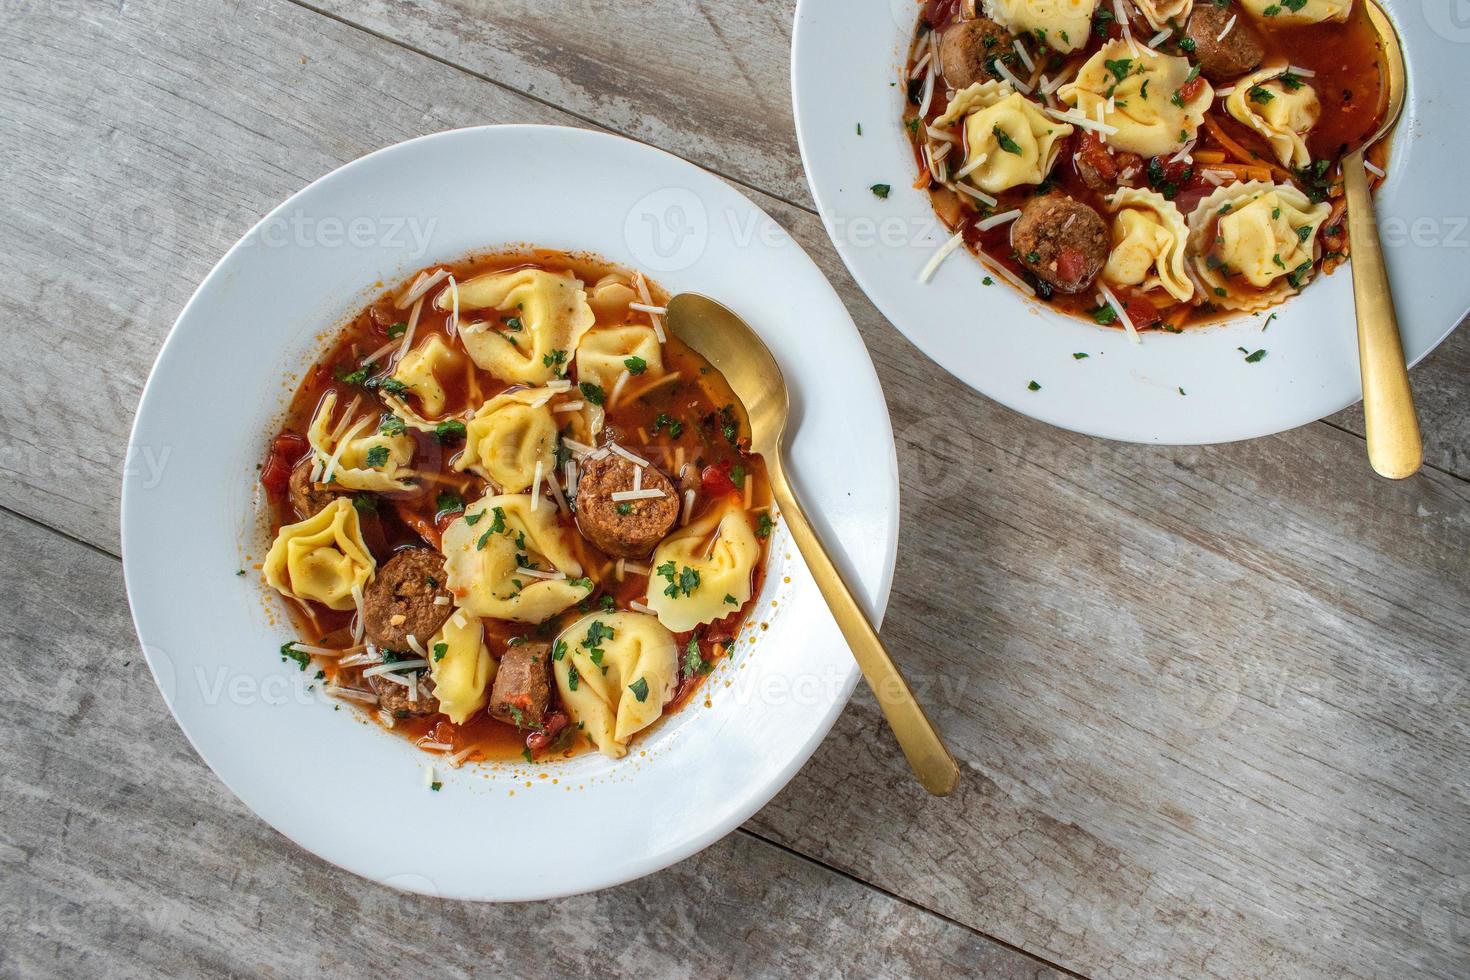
1210 703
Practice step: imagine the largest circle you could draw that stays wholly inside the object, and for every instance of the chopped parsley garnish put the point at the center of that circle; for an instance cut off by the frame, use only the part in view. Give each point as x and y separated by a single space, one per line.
394 387
365 503
635 365
730 425
581 583
357 377
737 475
592 392
683 581
1187 45
1252 357
397 330
625 508
1261 95
763 525
1100 22
470 519
606 603
392 425
436 786
1105 315
376 457
289 652
573 678
512 323
881 191
731 600
1080 354
1291 80
693 662
666 421
526 754
560 650
1006 143
556 359
1120 68
440 649
640 689
1298 276
450 430
499 524
1033 386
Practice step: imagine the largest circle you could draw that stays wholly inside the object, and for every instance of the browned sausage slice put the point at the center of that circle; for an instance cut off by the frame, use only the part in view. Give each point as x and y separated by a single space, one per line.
1062 241
629 528
1224 55
307 499
966 51
400 602
522 687
393 697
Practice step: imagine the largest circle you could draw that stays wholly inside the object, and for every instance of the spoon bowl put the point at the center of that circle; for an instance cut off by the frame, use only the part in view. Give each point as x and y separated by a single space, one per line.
738 353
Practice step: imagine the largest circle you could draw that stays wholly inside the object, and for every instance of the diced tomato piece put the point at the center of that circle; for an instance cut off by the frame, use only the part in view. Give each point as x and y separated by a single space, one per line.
1189 90
715 480
1143 313
1071 264
940 13
1091 151
551 727
286 449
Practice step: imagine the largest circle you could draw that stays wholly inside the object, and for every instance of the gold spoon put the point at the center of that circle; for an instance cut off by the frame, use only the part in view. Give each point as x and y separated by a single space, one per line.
1394 447
728 343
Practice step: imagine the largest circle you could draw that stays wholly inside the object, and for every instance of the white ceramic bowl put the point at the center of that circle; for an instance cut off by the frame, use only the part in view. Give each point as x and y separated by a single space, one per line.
846 57
192 517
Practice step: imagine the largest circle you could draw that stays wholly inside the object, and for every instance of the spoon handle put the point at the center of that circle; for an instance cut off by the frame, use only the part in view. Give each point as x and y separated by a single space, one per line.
1394 447
921 744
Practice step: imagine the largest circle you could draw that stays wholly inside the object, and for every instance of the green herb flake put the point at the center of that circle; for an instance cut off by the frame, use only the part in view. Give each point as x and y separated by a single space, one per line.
635 365
1081 355
640 689
881 191
1033 386
440 649
1006 143
450 430
300 658
592 392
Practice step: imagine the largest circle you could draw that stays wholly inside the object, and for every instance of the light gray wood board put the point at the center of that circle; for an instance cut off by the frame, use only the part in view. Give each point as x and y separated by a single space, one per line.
958 519
711 82
121 855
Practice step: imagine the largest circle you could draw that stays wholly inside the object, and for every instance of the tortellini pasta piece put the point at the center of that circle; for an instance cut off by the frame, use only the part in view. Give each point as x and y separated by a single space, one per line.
1291 12
1281 107
321 559
697 580
609 296
1160 13
1015 142
550 308
615 672
359 455
1252 245
1141 97
487 548
519 428
461 666
420 368
1066 24
1149 241
605 354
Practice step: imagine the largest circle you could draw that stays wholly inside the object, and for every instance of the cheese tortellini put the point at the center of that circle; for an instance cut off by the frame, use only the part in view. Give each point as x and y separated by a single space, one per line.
461 666
1149 241
321 559
1013 140
1274 12
550 309
508 436
615 672
703 572
487 549
359 455
1141 97
1065 24
420 369
1252 245
606 351
609 296
1282 108
1162 14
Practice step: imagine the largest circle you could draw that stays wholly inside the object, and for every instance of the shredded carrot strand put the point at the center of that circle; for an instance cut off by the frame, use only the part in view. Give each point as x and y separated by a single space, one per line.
1241 153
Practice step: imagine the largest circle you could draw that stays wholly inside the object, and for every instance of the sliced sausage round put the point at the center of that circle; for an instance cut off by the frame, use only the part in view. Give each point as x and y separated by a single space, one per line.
307 498
400 602
966 50
1062 241
522 686
626 528
393 696
1224 55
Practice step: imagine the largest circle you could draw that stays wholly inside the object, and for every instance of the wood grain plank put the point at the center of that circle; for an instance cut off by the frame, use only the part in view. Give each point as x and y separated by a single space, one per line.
716 91
1077 611
121 855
